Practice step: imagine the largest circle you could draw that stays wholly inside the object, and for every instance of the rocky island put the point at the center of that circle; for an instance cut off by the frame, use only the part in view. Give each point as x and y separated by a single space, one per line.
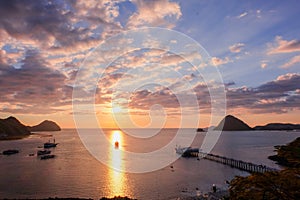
45 126
231 123
12 128
278 126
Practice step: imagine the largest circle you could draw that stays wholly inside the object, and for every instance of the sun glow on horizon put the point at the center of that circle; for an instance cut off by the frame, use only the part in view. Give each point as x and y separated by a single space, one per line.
117 109
116 137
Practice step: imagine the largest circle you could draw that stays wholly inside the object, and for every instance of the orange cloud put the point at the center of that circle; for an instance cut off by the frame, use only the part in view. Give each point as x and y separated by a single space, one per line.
236 48
154 13
264 64
291 62
219 61
284 46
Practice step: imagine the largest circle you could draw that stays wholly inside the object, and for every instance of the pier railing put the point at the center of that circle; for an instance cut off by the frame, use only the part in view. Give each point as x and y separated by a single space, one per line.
239 164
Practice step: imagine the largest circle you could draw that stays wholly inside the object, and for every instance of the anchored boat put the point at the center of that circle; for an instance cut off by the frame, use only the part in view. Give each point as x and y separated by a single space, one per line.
186 151
50 144
43 152
47 157
10 152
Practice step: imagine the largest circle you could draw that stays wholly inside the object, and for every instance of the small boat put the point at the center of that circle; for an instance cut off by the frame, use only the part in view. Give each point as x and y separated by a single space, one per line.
47 157
50 145
186 151
116 144
10 152
43 152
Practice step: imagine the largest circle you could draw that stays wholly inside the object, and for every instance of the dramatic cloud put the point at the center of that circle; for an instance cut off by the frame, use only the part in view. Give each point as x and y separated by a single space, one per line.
284 46
33 85
57 23
236 48
293 61
43 43
163 96
277 96
144 99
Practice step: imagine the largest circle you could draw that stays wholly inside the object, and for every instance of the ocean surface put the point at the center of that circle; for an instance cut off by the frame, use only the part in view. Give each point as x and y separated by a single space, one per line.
74 172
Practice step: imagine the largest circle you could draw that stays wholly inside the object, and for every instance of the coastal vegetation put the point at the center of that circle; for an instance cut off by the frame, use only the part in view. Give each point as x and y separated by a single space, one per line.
288 155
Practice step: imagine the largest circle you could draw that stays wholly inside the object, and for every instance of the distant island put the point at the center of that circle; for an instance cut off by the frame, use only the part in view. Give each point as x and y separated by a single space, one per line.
44 126
278 126
12 128
232 123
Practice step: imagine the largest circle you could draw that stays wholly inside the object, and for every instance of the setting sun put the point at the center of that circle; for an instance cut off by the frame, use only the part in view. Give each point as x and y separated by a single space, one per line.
116 109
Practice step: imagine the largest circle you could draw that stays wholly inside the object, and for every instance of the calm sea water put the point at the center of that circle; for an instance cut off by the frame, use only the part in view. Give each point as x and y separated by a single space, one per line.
76 173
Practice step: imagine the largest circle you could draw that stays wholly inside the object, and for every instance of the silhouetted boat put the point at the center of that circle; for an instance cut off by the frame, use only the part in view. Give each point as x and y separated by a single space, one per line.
10 152
47 157
50 144
180 150
200 130
116 144
43 152
186 151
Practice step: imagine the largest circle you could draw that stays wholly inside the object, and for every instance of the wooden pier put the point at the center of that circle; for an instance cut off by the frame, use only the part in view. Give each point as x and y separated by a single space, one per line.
239 164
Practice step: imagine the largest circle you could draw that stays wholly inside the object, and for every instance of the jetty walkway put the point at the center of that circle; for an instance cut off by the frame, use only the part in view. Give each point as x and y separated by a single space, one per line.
239 164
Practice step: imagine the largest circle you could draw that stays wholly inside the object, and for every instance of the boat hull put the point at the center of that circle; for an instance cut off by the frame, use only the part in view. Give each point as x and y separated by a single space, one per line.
50 145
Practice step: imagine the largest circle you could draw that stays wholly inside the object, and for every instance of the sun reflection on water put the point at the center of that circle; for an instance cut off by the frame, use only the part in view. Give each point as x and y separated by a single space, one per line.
117 179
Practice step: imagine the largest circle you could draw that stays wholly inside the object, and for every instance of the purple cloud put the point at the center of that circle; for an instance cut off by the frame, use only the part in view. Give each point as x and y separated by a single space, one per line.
276 96
34 83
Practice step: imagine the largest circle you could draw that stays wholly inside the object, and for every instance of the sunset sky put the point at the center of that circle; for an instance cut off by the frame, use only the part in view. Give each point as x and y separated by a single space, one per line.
255 45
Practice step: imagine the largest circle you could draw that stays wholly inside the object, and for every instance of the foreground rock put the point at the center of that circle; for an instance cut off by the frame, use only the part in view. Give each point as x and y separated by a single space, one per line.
282 184
288 155
45 126
278 126
11 128
231 123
